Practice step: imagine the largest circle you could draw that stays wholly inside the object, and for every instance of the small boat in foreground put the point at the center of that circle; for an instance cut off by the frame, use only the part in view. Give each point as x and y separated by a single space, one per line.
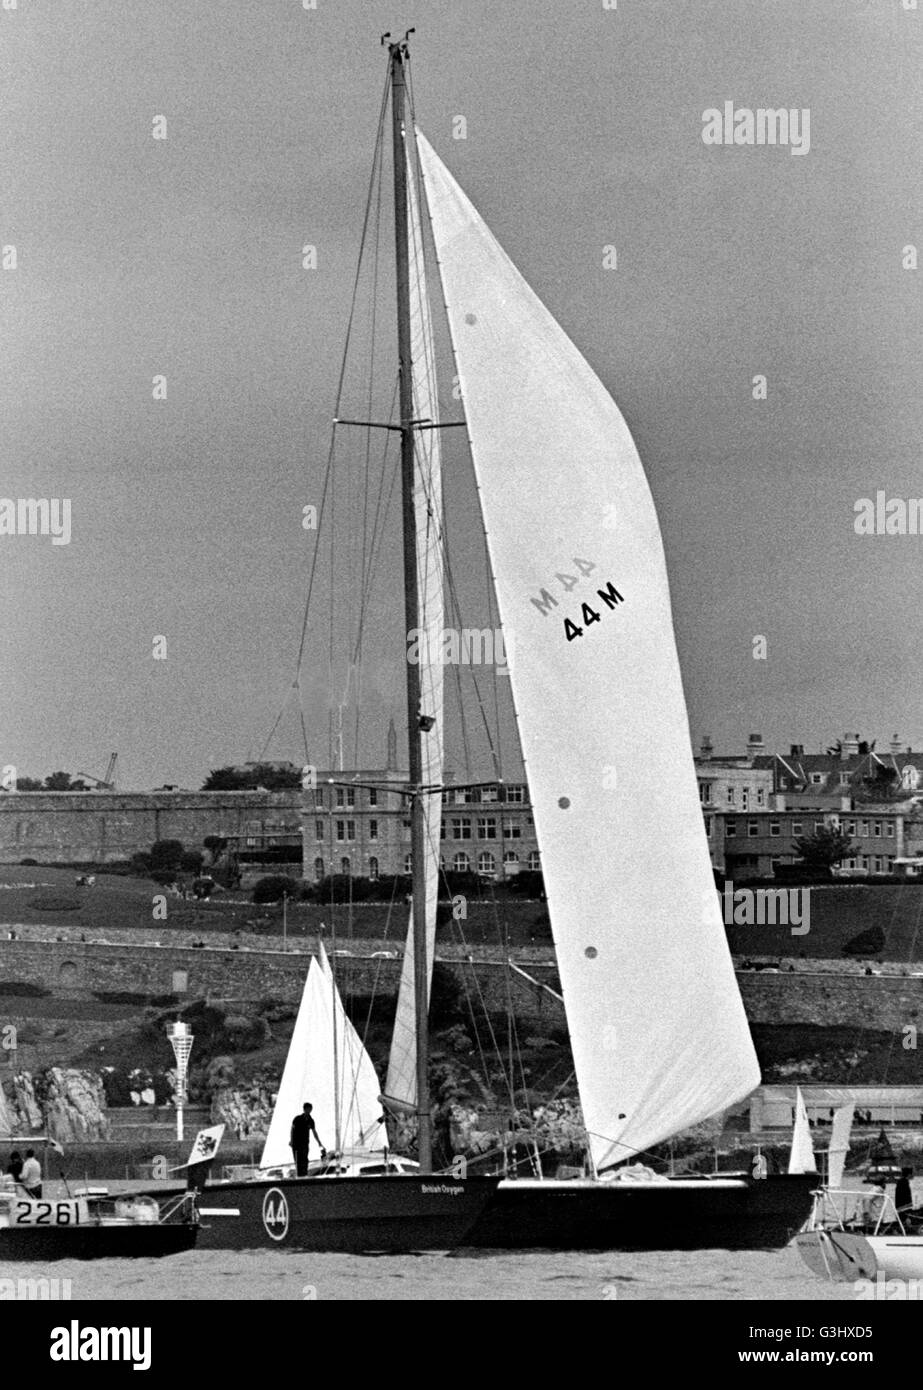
90 1226
860 1235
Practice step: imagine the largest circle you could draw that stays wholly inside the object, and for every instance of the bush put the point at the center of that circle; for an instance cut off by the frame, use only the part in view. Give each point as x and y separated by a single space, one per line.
24 989
28 861
54 902
868 943
274 888
190 861
166 856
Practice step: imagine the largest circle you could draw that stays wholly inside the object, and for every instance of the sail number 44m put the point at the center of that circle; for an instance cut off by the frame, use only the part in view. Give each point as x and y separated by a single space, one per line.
610 596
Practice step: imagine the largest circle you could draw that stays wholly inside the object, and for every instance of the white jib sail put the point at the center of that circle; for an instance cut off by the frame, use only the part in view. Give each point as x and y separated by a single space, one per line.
344 1097
658 1031
839 1143
357 1085
401 1084
801 1159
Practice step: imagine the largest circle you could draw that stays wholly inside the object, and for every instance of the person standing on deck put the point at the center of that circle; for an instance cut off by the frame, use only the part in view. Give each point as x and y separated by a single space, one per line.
31 1175
300 1139
903 1194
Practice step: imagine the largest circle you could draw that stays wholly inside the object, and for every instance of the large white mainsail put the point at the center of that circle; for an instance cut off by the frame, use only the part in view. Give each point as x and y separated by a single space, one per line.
328 1066
426 647
658 1030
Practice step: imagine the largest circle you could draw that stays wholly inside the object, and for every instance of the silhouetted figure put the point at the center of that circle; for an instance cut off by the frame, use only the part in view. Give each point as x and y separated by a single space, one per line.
14 1167
300 1139
903 1193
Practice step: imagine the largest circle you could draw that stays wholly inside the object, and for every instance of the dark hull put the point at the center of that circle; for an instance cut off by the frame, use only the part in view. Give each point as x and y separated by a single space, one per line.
35 1243
683 1214
353 1215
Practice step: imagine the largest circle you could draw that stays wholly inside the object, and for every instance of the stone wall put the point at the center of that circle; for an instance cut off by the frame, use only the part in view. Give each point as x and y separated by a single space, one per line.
79 969
77 827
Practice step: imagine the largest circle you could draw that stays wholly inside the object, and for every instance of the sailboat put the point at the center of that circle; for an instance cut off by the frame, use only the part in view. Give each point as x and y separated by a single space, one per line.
856 1233
658 1032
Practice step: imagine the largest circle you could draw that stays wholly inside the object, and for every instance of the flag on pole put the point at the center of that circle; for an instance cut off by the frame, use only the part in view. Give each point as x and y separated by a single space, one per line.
206 1145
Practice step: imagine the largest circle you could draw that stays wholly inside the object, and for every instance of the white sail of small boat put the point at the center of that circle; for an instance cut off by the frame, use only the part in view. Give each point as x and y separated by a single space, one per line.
838 1148
328 1066
801 1157
658 1031
425 647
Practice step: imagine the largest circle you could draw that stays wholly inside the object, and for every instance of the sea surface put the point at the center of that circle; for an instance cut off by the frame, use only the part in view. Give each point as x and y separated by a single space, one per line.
286 1275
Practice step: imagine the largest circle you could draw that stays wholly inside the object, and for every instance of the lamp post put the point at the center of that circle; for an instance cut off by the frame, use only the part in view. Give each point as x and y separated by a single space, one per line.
181 1039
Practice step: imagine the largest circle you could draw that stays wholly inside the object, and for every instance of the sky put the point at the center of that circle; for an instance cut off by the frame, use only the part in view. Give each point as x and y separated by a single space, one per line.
182 257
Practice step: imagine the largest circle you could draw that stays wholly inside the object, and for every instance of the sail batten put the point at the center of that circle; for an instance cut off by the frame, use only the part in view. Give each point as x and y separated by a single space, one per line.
658 1030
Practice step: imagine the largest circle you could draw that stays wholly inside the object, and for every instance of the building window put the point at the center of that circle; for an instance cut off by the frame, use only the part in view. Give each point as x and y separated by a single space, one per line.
318 830
851 828
730 796
515 793
816 779
889 827
510 857
373 829
775 828
442 828
844 779
486 862
512 830
708 825
472 795
408 863
705 793
876 828
783 783
346 830
745 798
461 830
797 827
318 870
487 828
753 828
863 827
344 864
318 798
730 830
490 794
534 862
373 868
461 863
761 796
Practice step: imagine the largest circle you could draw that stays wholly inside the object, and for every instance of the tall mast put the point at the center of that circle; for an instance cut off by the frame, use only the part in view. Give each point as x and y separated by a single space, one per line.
398 52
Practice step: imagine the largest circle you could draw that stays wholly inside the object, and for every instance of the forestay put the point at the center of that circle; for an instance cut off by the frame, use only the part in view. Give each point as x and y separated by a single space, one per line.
658 1031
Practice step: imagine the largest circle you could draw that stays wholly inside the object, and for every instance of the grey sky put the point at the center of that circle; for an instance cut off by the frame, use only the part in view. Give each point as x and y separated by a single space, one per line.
183 257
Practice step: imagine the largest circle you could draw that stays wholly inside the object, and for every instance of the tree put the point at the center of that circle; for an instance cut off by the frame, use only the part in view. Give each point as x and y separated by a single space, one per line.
825 847
166 856
191 861
63 782
274 888
28 784
238 779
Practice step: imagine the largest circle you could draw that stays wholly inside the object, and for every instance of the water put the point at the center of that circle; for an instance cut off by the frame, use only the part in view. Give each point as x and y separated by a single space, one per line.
285 1275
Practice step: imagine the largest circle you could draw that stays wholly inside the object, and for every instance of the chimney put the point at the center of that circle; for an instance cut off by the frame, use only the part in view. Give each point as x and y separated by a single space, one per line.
755 745
707 749
797 750
849 747
895 745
